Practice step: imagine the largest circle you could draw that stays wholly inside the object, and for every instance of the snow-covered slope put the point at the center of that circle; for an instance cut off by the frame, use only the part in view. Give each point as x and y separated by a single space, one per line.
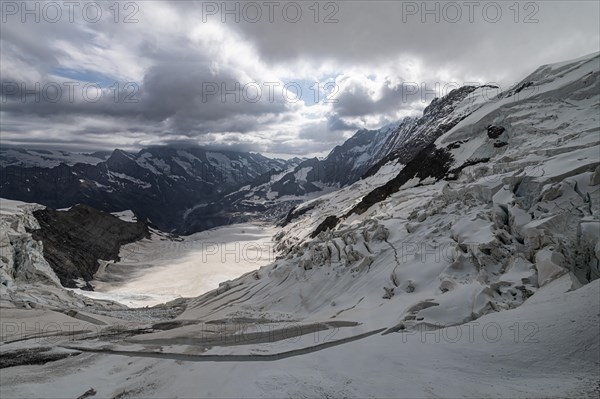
547 348
465 228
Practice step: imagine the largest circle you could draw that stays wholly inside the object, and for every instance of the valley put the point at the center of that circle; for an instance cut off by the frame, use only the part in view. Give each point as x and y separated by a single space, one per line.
159 269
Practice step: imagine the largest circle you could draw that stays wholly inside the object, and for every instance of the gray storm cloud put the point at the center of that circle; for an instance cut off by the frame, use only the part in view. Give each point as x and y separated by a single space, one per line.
197 79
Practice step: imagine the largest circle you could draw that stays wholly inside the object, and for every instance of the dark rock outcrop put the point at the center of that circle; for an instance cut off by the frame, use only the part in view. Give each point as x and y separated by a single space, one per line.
76 239
438 118
329 223
494 132
430 162
32 356
295 213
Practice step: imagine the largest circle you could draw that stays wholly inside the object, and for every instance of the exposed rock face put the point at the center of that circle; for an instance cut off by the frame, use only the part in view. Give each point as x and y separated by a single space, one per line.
31 356
329 223
348 162
494 132
430 162
76 239
27 280
417 134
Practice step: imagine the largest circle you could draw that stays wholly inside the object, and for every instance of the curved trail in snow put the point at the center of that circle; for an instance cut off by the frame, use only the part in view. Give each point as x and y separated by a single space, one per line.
229 358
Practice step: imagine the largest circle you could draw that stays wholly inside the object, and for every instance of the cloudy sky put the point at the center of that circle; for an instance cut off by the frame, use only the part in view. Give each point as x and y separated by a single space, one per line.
283 79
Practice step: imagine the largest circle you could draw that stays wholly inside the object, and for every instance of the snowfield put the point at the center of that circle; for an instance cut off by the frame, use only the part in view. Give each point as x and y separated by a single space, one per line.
547 348
159 270
471 270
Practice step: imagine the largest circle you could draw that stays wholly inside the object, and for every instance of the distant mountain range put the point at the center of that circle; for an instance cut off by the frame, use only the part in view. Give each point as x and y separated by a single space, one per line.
158 184
185 190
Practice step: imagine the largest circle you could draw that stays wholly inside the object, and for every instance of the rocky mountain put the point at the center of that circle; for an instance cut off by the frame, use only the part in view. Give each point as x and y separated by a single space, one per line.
441 115
75 240
360 156
32 274
192 189
274 195
161 185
